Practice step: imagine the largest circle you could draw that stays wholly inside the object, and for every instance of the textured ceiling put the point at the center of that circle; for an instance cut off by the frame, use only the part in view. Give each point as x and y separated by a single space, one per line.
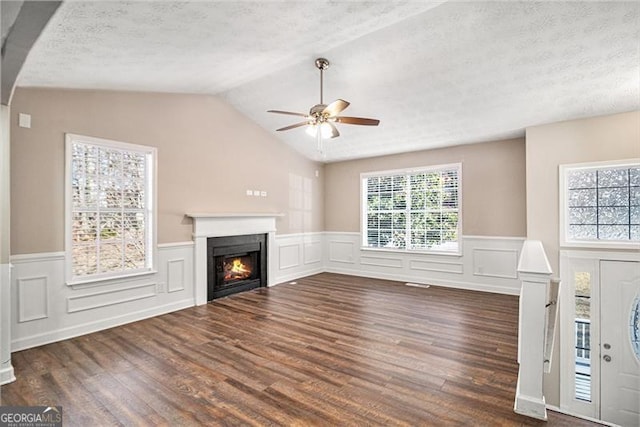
435 74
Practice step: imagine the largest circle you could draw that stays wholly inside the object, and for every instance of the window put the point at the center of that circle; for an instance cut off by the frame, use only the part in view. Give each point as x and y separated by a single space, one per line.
600 204
582 328
109 209
412 209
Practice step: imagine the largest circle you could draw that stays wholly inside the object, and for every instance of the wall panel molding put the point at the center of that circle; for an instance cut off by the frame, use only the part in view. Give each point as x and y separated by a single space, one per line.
437 266
493 262
176 275
381 261
342 251
101 299
289 256
312 251
33 300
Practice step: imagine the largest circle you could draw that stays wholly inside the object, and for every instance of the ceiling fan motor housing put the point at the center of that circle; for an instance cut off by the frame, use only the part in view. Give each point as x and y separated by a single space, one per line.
316 113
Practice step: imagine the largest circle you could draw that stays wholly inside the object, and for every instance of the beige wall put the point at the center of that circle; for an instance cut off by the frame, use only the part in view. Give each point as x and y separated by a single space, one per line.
602 138
208 156
595 139
493 186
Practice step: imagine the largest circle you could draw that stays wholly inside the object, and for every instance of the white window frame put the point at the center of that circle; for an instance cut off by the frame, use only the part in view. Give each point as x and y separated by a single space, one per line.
409 171
563 195
151 209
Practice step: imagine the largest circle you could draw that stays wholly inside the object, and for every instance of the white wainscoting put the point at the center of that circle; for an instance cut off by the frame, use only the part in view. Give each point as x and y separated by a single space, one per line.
487 263
297 255
45 309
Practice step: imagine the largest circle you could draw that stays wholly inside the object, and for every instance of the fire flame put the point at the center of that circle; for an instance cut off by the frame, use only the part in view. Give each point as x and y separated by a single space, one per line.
236 270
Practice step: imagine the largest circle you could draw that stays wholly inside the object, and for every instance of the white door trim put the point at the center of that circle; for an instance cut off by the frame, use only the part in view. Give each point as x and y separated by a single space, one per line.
570 262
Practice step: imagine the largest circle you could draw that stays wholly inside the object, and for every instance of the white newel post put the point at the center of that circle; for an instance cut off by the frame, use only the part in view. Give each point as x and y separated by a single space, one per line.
207 225
535 274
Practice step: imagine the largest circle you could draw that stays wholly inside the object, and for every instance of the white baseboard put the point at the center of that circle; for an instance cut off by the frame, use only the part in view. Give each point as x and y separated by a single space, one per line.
439 282
582 417
295 276
7 375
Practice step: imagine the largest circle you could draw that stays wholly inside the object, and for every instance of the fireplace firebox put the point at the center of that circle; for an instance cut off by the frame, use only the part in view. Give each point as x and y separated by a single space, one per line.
235 264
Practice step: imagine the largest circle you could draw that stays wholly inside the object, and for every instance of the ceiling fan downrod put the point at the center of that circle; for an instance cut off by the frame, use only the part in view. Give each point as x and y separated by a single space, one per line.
322 64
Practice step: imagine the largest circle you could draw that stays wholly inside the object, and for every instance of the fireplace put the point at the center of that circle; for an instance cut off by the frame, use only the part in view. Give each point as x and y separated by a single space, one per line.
207 225
235 264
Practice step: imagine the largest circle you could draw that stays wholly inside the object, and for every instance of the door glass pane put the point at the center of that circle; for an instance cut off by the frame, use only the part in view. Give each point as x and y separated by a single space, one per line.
582 328
634 327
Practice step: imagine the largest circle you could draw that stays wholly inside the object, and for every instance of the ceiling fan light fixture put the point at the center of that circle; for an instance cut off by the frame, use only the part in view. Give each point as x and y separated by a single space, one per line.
326 131
311 130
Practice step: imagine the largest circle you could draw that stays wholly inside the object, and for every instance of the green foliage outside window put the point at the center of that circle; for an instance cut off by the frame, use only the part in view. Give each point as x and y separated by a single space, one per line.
417 211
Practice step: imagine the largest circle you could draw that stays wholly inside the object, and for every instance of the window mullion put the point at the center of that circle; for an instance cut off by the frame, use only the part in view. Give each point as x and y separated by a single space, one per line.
99 152
407 219
629 201
597 205
121 185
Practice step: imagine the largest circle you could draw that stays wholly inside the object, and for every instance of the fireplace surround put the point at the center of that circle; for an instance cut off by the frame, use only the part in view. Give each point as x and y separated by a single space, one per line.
207 225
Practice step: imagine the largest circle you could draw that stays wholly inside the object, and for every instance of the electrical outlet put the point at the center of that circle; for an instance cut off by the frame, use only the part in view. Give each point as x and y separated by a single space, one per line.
160 287
263 193
256 193
249 192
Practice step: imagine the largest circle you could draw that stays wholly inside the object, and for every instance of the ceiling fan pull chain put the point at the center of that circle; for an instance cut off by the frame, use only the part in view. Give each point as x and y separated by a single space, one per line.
319 137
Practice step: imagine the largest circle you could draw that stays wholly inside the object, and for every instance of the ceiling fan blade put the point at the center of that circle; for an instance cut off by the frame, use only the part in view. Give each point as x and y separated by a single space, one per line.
287 112
335 107
297 125
334 130
357 121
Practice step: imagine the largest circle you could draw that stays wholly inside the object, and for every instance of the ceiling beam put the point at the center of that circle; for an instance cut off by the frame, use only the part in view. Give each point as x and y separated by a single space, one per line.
29 23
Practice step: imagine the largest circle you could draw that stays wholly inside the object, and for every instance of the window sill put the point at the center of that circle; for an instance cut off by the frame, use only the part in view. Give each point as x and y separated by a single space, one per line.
75 283
457 254
600 245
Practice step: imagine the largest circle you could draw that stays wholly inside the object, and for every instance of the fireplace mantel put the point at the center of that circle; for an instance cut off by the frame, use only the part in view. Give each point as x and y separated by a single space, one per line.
207 225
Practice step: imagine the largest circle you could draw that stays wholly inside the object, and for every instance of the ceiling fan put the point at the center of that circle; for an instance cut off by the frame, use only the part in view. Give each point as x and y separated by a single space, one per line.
321 118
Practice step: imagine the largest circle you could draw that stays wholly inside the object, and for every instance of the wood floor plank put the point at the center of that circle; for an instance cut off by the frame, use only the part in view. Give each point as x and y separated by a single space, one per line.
328 350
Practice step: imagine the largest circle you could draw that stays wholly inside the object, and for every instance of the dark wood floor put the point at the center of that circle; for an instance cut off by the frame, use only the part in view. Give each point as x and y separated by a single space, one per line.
329 350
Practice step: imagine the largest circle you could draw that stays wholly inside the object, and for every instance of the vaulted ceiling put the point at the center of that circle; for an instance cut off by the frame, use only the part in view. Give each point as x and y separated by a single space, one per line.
436 73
